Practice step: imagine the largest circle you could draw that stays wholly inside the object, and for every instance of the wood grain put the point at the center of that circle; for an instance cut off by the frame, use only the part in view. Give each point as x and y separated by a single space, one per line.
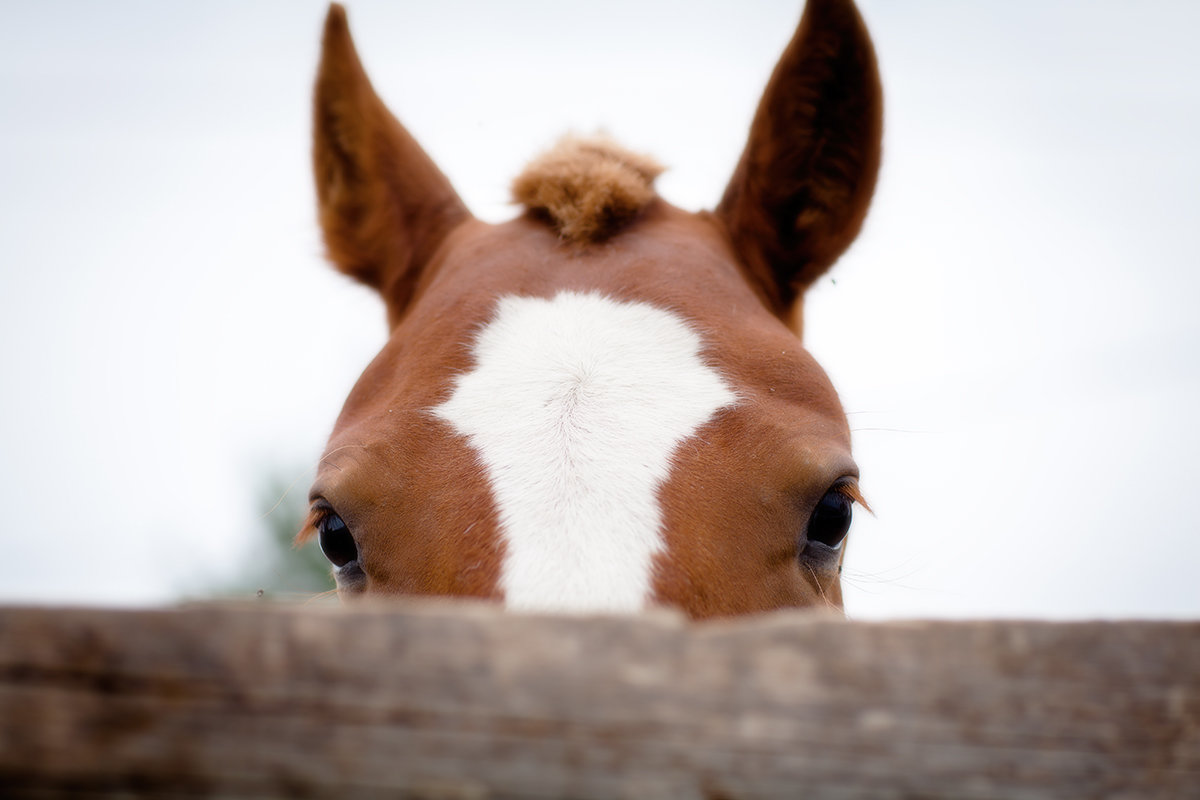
463 701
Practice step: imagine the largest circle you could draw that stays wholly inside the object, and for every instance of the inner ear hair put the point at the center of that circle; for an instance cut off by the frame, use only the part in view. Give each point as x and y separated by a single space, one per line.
800 192
384 205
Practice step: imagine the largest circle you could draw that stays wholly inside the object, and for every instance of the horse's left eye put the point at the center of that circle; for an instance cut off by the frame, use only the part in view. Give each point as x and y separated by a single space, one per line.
830 521
336 541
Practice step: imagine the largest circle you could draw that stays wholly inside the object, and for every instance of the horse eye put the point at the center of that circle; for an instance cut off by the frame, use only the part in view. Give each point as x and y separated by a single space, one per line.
336 542
830 521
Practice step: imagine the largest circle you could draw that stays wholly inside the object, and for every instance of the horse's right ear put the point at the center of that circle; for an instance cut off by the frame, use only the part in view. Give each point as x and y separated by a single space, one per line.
384 205
799 194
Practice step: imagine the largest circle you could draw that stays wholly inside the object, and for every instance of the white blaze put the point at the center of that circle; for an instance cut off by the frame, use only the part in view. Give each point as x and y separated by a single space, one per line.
575 406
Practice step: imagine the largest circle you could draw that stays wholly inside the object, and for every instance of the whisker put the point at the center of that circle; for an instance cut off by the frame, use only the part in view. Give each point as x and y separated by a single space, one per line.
283 496
325 458
902 570
321 596
860 580
821 590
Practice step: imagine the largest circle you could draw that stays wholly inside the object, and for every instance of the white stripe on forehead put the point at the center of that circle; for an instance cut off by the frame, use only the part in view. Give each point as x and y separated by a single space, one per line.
575 406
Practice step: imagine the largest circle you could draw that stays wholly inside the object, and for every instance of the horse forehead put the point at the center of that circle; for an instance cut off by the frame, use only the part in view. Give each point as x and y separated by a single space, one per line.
674 263
575 405
668 257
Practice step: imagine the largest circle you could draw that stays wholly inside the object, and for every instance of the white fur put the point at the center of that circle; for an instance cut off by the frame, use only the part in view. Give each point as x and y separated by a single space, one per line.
575 406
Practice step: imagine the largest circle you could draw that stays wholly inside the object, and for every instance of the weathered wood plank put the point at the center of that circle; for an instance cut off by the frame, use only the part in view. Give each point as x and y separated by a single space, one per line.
462 701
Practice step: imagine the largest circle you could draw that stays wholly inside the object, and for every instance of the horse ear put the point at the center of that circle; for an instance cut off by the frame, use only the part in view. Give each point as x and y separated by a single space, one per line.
800 192
384 206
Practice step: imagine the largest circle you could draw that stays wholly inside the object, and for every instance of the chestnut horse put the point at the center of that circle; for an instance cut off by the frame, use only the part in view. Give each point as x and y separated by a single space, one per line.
604 403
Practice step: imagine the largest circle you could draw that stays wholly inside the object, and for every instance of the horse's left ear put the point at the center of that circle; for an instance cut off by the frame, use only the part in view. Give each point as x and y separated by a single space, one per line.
800 192
384 204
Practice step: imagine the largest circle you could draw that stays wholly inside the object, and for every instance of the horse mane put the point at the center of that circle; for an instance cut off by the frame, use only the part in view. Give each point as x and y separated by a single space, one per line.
587 188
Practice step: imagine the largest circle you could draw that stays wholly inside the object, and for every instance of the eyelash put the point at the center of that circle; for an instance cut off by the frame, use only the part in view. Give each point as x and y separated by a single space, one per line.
318 512
848 488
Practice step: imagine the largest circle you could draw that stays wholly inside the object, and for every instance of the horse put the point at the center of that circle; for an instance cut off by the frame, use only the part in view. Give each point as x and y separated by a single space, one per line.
603 404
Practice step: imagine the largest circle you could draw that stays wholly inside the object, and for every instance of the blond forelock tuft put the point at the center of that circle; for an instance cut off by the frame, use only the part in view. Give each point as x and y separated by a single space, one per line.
587 187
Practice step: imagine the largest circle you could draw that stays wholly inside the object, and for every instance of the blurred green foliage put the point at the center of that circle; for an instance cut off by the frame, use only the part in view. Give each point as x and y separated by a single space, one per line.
276 569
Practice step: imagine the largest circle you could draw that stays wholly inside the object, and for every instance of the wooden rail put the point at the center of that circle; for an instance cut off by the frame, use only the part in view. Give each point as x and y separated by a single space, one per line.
462 701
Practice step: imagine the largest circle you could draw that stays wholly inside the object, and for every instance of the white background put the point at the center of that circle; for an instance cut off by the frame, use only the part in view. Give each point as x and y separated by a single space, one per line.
1014 334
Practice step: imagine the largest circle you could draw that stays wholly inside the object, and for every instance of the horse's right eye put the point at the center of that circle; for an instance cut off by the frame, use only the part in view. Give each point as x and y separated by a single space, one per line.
830 521
336 542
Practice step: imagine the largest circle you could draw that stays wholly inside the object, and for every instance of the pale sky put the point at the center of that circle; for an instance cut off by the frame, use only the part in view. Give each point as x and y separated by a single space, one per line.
1013 335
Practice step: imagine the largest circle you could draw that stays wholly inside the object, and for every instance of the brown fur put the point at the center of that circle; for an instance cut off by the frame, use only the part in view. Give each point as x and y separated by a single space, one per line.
587 188
801 190
742 490
384 205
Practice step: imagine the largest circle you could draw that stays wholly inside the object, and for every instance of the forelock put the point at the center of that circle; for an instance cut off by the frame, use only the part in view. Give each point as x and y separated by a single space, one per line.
587 188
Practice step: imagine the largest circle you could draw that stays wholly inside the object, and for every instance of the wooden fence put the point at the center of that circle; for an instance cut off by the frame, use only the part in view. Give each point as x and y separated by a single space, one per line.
462 701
